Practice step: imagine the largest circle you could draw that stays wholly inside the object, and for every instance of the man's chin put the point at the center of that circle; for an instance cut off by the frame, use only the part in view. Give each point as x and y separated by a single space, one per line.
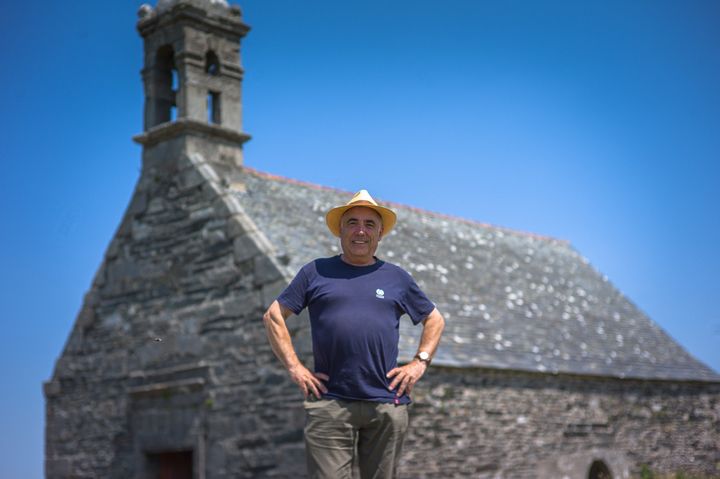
360 252
358 256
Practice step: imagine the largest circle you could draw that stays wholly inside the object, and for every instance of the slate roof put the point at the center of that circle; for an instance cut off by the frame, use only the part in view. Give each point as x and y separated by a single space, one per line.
511 300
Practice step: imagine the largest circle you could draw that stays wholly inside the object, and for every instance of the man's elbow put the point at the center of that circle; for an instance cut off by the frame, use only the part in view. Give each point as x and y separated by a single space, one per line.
436 320
269 317
440 322
275 314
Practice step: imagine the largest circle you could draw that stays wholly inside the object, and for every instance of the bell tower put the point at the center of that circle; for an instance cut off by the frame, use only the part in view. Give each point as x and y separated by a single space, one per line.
192 80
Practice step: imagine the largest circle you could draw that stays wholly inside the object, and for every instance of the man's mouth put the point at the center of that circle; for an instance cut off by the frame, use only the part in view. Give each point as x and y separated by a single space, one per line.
359 241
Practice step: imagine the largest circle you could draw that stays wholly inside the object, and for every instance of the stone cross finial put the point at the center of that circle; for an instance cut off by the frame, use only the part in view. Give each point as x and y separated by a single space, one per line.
163 5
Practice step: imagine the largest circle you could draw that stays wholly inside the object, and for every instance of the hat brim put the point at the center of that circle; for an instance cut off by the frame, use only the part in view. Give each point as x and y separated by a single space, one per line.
333 217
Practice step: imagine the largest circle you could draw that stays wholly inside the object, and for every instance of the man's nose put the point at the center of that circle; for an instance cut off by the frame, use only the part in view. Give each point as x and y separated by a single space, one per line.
361 230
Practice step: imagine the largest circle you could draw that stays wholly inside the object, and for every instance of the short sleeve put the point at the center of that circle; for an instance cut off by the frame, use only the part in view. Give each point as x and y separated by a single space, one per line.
415 303
294 297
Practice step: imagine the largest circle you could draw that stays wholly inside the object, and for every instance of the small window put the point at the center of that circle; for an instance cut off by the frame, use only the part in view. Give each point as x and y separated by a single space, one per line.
170 465
212 64
599 470
213 107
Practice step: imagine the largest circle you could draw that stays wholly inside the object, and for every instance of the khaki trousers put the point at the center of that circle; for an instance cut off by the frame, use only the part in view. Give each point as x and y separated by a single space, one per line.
344 435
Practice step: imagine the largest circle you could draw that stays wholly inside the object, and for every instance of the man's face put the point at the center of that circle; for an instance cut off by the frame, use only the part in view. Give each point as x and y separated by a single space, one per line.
360 232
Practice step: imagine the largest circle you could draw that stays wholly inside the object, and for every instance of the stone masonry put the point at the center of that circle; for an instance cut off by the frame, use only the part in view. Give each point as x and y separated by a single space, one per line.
489 423
169 352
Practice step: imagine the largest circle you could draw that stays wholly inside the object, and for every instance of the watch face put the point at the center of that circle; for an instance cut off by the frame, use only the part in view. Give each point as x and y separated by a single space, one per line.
424 356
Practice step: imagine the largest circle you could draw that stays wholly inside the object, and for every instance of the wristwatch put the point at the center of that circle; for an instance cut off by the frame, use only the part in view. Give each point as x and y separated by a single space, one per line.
423 356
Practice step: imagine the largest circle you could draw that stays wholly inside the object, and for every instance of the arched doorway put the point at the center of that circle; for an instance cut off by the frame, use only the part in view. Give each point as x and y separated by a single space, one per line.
599 470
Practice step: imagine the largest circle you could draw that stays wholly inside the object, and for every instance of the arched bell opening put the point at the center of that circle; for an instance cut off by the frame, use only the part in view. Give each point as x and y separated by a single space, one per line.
165 84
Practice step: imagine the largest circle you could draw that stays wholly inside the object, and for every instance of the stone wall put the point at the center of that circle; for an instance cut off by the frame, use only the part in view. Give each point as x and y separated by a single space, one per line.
169 351
483 423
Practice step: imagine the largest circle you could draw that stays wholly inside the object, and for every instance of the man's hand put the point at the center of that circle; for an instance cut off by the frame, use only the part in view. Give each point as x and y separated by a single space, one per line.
406 376
310 383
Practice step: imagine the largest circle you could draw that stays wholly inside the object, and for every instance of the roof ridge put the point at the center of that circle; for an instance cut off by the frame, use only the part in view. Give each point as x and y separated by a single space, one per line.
285 179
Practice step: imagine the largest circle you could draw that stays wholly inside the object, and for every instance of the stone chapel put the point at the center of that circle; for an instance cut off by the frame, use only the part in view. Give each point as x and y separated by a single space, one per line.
545 370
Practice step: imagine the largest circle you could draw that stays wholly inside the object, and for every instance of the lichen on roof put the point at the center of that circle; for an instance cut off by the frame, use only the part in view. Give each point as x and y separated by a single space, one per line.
511 300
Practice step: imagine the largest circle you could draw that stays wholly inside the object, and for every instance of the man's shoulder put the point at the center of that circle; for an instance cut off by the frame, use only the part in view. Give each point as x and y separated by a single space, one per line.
319 264
391 265
395 268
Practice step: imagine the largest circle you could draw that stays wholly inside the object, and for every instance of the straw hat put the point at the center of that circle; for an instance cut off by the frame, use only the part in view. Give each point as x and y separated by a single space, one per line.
361 198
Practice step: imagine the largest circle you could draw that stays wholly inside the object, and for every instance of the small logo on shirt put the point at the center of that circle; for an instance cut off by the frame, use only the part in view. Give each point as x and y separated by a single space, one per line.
379 293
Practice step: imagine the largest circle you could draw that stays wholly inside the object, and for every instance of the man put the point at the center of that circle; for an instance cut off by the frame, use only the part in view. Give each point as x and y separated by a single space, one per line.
356 398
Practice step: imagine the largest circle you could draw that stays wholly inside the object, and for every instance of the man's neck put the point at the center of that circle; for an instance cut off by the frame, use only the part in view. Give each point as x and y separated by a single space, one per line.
347 260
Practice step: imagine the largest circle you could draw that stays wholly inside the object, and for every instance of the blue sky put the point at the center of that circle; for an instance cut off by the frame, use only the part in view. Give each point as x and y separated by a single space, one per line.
594 122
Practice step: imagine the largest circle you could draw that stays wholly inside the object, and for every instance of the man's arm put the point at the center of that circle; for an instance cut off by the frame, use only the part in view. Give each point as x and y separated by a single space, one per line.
279 336
406 376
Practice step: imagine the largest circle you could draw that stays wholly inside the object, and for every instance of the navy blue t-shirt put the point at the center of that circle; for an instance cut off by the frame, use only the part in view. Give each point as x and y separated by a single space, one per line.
355 318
